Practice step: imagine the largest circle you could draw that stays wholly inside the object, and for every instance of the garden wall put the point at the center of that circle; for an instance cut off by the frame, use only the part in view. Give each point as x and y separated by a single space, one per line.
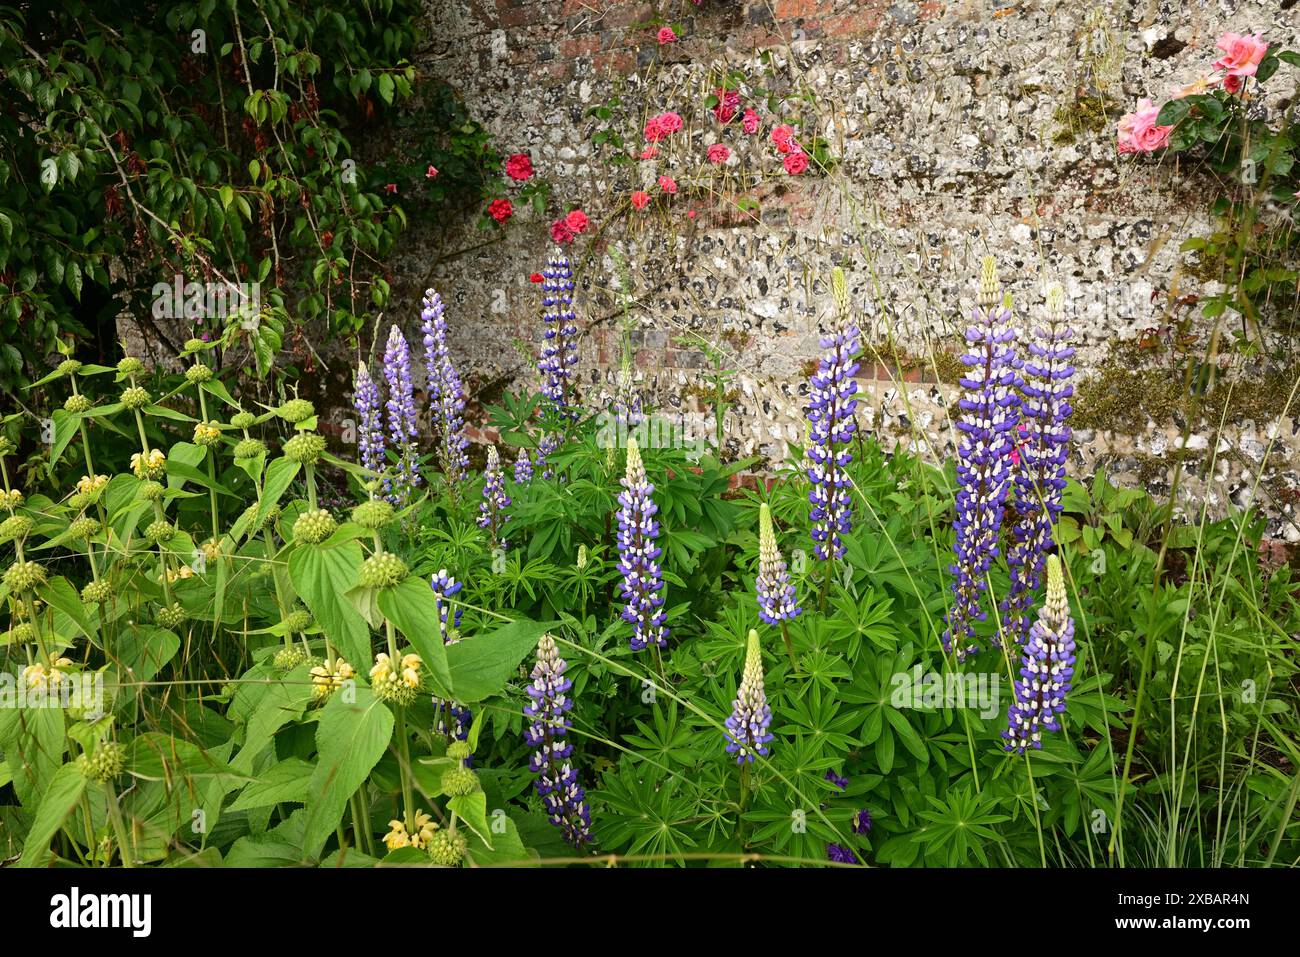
960 129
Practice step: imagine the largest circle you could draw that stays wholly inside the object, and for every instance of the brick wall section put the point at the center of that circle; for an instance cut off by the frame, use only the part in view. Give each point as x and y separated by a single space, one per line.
945 117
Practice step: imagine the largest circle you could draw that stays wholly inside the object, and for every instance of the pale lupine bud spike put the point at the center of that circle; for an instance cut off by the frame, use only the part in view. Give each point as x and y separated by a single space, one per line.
1047 669
747 727
776 594
547 713
840 290
990 412
1043 449
642 586
990 289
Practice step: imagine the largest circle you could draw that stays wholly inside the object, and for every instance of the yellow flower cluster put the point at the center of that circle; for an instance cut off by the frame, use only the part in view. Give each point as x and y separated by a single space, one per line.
47 676
91 485
327 678
151 466
176 574
11 499
398 836
408 672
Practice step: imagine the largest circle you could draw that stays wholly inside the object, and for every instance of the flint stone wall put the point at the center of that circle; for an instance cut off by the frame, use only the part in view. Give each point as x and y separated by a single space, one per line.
961 129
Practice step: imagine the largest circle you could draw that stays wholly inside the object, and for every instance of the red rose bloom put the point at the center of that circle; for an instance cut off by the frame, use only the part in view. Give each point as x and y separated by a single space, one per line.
796 163
668 184
519 167
560 232
718 154
640 198
536 277
576 221
390 188
500 210
431 172
783 137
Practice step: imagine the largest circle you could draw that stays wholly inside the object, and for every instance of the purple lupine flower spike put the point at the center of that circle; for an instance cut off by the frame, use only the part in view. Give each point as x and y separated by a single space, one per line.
546 447
523 468
557 785
1045 446
747 733
446 394
402 430
451 718
492 510
776 596
1047 670
370 431
989 415
642 584
560 336
830 413
841 854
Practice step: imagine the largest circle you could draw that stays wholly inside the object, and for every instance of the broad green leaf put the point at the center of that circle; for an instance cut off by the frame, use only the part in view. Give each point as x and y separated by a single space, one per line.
480 665
351 738
57 802
412 607
323 577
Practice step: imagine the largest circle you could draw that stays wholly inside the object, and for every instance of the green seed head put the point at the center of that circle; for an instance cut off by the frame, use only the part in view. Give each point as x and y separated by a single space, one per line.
197 373
286 659
80 500
447 849
297 620
172 617
160 532
249 448
151 491
381 571
130 366
305 447
96 593
458 781
68 367
243 420
313 527
20 634
24 577
136 397
76 404
6 446
15 527
194 345
105 764
296 410
84 528
373 514
458 750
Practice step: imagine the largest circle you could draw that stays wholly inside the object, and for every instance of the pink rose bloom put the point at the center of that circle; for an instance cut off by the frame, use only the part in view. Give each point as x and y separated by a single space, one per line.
650 152
690 214
718 154
519 166
750 122
431 172
728 103
576 221
1138 132
390 188
661 126
640 198
560 232
783 137
668 184
795 163
666 36
1241 54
